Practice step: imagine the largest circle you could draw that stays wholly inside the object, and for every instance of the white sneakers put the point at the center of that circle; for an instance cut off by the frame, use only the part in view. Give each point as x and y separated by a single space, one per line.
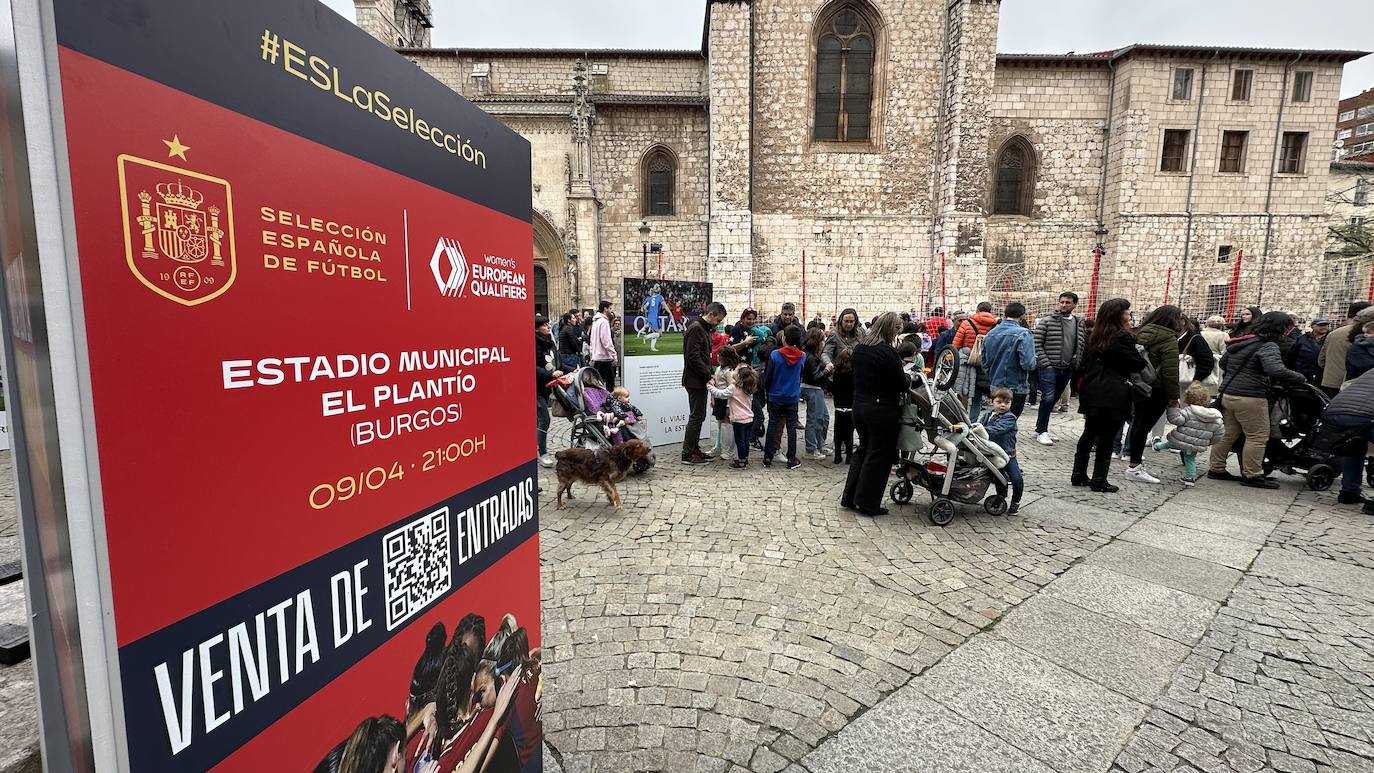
1140 473
547 460
1045 439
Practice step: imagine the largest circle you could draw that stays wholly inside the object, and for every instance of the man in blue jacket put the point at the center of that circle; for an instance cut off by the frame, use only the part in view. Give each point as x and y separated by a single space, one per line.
1009 356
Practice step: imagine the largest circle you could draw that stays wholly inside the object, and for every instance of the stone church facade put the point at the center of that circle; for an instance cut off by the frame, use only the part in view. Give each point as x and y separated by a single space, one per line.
911 164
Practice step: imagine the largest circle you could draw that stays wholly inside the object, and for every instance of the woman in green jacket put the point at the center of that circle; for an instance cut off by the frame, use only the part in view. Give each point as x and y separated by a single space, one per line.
1158 335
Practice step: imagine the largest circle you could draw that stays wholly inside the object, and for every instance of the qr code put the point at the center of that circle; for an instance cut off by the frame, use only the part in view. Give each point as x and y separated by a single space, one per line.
416 565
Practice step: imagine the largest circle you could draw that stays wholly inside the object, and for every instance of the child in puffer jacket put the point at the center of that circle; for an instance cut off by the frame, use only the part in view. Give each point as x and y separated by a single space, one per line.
1198 426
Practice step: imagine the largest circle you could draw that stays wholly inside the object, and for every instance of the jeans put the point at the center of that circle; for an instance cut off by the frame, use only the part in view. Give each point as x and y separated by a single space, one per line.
817 417
569 362
1147 411
743 429
606 369
1052 383
1098 433
1352 468
1018 481
541 423
781 412
696 417
1247 416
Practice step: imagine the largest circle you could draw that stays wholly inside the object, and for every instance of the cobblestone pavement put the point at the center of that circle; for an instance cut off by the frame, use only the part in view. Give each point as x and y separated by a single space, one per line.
739 620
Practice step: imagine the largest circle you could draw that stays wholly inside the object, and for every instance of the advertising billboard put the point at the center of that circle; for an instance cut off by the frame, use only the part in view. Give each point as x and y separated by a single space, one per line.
298 520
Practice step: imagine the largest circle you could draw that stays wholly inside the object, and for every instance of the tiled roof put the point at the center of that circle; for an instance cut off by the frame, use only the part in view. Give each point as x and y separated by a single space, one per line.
1103 57
666 53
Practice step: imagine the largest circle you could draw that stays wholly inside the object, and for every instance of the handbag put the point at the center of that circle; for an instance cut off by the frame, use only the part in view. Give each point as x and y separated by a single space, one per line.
1187 370
975 355
1142 382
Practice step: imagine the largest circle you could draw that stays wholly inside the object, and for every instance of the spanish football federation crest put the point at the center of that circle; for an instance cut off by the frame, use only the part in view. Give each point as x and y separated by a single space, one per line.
178 230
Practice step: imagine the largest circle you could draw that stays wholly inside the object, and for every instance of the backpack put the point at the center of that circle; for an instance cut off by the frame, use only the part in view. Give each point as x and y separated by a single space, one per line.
1142 382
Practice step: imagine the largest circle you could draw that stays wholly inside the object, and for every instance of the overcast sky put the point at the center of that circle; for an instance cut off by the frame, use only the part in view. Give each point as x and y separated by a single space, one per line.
1028 26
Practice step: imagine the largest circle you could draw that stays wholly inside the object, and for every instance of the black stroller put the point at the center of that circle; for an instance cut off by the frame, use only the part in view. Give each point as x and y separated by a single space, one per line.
1299 442
578 397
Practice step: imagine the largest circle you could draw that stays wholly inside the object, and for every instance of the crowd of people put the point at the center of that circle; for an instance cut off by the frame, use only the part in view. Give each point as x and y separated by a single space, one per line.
1159 382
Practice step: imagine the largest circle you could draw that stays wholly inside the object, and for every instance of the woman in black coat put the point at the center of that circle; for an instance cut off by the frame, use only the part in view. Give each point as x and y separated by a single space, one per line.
1105 397
879 385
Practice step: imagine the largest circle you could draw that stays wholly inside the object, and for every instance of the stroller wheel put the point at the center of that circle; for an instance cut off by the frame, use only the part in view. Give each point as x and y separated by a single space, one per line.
941 512
995 505
1320 477
945 369
901 491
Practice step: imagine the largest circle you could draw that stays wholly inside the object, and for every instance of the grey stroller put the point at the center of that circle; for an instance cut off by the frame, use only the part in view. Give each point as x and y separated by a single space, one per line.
959 463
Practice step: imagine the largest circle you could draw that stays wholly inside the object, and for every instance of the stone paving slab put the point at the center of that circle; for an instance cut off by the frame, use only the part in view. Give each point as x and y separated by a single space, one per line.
1167 568
1235 525
1232 498
1164 611
1078 515
1300 569
1114 654
1065 720
1226 551
910 733
18 719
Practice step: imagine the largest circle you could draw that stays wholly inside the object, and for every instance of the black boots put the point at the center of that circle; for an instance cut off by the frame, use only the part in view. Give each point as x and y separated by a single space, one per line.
1101 485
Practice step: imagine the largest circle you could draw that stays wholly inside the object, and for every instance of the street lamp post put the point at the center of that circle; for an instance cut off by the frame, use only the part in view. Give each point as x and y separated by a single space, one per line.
644 231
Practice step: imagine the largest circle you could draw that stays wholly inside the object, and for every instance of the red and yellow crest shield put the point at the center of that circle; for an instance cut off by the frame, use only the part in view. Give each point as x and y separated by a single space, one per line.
178 230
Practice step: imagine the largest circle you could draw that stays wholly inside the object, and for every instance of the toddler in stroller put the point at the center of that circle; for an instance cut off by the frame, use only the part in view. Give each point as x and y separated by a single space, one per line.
599 419
971 461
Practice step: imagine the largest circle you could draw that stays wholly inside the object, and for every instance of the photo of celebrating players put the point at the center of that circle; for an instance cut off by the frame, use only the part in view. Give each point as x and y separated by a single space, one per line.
473 705
657 312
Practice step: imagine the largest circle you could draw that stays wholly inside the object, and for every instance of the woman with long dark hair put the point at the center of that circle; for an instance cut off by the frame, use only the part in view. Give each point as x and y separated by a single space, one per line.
879 384
1158 334
1248 317
1104 398
844 335
1252 362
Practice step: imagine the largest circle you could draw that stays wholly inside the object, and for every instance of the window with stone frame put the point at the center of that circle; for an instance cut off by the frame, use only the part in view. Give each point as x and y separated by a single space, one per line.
1174 157
1233 151
1293 152
1183 83
1240 85
1014 178
660 177
846 55
1302 86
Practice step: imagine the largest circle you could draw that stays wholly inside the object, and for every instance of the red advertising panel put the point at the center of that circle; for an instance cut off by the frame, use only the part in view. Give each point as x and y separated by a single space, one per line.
305 272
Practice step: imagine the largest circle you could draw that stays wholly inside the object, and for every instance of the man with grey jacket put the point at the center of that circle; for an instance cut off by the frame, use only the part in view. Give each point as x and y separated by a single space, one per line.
1060 341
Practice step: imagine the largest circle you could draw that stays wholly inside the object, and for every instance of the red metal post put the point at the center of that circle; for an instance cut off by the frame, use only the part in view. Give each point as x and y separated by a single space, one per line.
1370 296
1092 286
1235 287
803 314
660 264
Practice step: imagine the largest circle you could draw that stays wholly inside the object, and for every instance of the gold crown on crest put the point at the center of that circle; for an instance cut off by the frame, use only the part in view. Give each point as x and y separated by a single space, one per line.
180 195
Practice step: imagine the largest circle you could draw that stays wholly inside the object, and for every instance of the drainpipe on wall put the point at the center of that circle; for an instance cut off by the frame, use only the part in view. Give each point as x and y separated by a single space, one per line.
937 155
1273 171
1192 175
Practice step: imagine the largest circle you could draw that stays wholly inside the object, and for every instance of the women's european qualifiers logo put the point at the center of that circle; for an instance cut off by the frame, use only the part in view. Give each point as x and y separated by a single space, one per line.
178 227
493 277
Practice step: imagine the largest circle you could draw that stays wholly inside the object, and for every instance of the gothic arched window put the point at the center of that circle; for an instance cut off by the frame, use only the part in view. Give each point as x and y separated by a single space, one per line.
1014 178
660 171
846 52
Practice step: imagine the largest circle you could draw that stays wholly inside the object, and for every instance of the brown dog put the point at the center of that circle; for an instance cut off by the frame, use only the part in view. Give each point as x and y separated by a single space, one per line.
602 467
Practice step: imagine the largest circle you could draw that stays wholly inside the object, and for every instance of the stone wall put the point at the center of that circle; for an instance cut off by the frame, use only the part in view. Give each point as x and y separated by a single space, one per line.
549 73
621 138
730 266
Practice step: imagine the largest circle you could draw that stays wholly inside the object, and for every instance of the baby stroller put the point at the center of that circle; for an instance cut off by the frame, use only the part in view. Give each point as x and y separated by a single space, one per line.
578 397
970 463
1295 415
